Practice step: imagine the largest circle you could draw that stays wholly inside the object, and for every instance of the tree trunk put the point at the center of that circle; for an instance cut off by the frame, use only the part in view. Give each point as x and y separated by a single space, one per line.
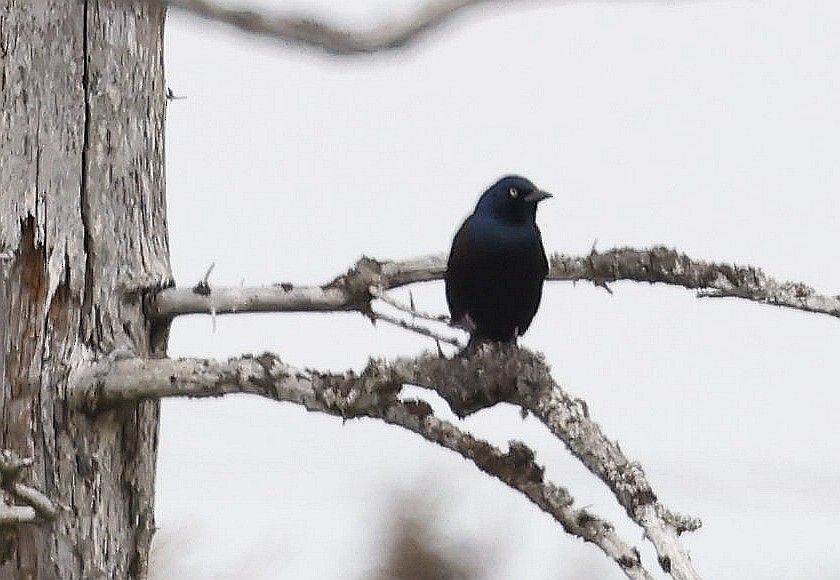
82 234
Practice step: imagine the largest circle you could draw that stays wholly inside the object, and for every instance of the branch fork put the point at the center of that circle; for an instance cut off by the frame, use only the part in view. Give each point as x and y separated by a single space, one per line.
468 383
370 278
36 506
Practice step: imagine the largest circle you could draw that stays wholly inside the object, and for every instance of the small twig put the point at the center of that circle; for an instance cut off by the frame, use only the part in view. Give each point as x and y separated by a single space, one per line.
680 522
381 294
171 96
598 282
604 285
203 286
203 289
413 327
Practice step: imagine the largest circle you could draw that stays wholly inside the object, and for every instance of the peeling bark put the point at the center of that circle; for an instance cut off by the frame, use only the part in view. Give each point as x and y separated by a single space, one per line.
82 233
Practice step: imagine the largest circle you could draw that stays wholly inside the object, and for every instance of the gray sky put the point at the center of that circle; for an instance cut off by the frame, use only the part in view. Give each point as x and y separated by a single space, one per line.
712 127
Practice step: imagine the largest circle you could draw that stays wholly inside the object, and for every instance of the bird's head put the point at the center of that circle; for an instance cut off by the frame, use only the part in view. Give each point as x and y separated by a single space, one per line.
512 198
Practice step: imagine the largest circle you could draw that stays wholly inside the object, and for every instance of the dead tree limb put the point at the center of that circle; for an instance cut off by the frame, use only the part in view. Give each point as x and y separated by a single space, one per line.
311 32
37 506
491 375
352 291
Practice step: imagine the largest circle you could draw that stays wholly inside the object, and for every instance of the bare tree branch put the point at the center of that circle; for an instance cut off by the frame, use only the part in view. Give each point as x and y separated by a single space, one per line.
490 375
348 292
411 309
568 419
16 514
308 31
413 312
37 504
352 291
417 328
666 265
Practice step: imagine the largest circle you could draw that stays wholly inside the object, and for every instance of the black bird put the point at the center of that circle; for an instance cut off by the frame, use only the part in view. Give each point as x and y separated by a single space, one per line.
497 264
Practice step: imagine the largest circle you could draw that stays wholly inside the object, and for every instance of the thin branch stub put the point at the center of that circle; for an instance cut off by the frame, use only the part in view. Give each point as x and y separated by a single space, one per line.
37 505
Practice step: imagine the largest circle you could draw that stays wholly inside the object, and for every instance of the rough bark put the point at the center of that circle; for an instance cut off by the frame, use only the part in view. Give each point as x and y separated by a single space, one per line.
469 382
82 232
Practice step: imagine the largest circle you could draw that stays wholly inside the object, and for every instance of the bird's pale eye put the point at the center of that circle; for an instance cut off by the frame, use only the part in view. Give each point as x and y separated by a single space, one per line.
514 193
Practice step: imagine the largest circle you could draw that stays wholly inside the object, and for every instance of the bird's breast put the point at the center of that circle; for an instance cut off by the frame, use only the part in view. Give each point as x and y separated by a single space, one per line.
497 237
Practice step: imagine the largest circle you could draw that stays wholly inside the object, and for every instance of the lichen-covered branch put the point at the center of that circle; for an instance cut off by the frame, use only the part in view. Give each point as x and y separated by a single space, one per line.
711 279
311 32
37 506
468 383
568 419
372 393
352 291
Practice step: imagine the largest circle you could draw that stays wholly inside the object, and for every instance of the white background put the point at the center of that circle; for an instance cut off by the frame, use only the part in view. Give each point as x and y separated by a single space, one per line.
712 127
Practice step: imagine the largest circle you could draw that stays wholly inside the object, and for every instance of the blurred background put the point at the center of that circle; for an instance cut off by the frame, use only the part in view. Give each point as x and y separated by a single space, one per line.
712 127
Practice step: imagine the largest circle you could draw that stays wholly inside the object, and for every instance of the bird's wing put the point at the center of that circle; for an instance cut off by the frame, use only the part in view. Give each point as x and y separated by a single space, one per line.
542 253
458 273
533 301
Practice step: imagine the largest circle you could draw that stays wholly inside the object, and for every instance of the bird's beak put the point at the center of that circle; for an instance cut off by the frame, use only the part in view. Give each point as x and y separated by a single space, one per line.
537 196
